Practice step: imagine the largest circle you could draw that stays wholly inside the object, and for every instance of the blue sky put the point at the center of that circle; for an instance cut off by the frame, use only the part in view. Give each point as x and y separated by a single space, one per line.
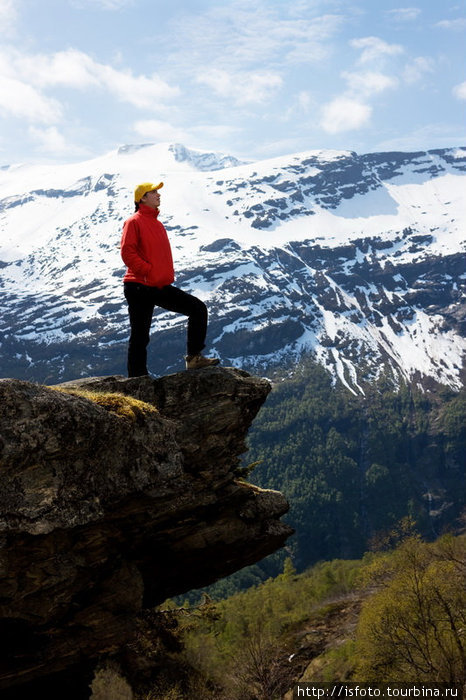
253 78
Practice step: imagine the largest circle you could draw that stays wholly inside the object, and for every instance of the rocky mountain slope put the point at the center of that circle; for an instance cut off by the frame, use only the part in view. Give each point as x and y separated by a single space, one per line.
108 506
356 258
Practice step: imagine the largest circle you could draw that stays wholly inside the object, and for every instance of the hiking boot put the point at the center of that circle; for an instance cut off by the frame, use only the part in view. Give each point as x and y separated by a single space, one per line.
198 361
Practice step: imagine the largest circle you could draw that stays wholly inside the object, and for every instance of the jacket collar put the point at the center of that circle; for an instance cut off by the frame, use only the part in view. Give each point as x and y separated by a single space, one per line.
148 211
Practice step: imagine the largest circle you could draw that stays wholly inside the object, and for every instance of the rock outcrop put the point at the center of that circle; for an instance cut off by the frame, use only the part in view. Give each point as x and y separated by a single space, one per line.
111 502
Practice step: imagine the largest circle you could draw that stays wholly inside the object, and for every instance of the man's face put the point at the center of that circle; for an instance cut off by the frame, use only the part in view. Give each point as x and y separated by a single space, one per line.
151 199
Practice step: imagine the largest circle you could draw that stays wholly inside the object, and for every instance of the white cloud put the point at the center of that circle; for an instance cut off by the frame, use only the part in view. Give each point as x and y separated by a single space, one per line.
345 114
69 68
269 149
220 81
439 135
301 106
417 69
305 100
31 90
101 4
216 131
75 69
243 88
373 49
159 130
312 42
459 91
29 77
23 101
240 35
8 15
405 14
49 139
144 92
456 25
369 82
351 111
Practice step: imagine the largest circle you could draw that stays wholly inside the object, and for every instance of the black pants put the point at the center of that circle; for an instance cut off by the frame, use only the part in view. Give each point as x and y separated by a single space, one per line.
141 302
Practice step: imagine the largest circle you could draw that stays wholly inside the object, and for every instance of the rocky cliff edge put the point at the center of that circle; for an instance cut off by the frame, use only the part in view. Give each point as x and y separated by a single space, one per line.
114 500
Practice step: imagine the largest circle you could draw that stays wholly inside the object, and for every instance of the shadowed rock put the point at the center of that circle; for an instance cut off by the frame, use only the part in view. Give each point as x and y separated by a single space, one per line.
109 505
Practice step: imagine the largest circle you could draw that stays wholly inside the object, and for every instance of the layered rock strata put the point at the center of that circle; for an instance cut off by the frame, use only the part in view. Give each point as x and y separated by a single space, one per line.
114 500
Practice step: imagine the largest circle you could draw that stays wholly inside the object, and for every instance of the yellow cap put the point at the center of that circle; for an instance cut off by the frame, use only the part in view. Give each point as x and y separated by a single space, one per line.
141 190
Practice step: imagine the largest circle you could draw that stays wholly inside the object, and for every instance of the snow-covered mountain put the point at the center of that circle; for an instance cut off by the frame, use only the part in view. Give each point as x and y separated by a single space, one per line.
357 258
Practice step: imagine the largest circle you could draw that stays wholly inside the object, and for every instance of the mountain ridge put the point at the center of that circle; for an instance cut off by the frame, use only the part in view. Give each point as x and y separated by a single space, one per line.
358 260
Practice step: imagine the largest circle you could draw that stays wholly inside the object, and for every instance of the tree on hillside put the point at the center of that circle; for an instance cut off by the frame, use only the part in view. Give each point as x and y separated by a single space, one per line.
413 628
261 668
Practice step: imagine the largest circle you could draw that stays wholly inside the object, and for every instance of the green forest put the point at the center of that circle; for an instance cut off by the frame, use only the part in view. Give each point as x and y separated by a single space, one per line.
396 614
372 586
353 466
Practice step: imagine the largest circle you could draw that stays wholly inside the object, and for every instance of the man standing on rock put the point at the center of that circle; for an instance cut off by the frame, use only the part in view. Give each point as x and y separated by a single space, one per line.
146 252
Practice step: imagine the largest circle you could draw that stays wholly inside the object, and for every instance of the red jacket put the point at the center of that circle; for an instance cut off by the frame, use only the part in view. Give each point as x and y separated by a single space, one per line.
145 249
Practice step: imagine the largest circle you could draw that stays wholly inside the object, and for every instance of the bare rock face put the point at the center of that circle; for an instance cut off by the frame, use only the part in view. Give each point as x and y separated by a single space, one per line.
107 508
